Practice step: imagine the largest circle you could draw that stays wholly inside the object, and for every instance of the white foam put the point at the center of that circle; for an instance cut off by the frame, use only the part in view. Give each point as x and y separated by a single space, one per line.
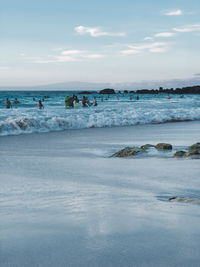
107 114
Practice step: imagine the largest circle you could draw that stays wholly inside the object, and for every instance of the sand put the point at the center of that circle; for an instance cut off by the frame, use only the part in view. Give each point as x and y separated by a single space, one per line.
64 202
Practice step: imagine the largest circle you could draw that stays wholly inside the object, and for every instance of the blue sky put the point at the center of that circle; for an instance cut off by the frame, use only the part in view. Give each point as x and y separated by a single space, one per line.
98 41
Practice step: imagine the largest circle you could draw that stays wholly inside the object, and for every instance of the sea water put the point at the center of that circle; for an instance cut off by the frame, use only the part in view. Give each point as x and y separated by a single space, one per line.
112 110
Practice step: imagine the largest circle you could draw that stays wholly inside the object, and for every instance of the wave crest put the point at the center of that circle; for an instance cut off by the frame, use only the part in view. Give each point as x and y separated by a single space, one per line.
89 119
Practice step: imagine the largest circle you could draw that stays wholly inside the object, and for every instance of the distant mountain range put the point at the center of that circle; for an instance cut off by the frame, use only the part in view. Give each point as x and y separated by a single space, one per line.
176 83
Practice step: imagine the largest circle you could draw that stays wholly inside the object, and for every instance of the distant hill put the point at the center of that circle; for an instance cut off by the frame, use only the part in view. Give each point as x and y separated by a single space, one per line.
117 86
71 86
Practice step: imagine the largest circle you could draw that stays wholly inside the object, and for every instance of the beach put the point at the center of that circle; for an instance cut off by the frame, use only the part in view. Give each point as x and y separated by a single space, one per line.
65 202
100 133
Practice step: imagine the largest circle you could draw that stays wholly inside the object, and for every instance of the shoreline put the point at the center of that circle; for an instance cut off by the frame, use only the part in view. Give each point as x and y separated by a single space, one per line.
173 121
64 201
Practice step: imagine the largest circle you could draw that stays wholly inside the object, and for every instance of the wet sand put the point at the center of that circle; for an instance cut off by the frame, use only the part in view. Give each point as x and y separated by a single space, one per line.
64 202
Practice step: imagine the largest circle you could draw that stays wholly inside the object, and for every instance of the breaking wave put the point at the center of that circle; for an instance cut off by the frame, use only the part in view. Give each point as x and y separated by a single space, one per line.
92 117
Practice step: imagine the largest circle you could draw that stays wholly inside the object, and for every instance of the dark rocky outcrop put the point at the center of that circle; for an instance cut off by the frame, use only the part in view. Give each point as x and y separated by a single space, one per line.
127 152
107 91
87 92
174 91
184 199
191 155
147 146
164 146
194 149
179 154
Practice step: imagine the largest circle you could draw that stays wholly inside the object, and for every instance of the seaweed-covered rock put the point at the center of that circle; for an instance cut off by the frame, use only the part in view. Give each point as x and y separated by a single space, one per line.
127 152
192 155
183 199
194 149
107 91
164 146
147 146
87 92
179 154
187 154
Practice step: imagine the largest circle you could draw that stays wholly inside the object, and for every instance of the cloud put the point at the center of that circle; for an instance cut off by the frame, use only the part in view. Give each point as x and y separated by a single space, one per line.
148 38
165 34
157 50
189 28
177 12
156 47
69 56
95 56
131 51
96 32
197 74
72 52
161 34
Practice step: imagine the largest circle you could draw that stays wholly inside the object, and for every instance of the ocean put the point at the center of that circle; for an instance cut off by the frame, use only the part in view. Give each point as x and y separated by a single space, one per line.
65 201
112 110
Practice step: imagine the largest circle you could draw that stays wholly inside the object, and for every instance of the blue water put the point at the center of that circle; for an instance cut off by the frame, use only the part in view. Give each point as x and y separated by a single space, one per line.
113 110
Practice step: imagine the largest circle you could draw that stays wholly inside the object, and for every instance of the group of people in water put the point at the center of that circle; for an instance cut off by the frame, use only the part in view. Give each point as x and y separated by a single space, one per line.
16 101
71 102
8 103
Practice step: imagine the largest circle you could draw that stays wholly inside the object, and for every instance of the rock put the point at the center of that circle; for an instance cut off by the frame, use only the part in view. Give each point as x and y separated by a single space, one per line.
107 91
179 154
147 146
194 149
127 152
183 199
87 92
187 154
185 90
164 146
22 124
191 155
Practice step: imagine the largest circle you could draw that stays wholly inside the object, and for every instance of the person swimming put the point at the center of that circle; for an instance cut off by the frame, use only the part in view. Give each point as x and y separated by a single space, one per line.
67 100
8 103
75 99
16 101
70 101
95 102
40 105
85 102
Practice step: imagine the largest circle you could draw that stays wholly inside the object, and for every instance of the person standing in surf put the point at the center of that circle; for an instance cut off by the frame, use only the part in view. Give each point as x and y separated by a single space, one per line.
95 101
40 105
8 103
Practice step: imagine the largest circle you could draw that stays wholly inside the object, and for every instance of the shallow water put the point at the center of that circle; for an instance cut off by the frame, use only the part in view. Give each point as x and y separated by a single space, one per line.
65 203
113 110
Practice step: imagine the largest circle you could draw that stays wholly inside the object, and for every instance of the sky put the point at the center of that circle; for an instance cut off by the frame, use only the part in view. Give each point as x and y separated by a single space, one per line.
44 42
